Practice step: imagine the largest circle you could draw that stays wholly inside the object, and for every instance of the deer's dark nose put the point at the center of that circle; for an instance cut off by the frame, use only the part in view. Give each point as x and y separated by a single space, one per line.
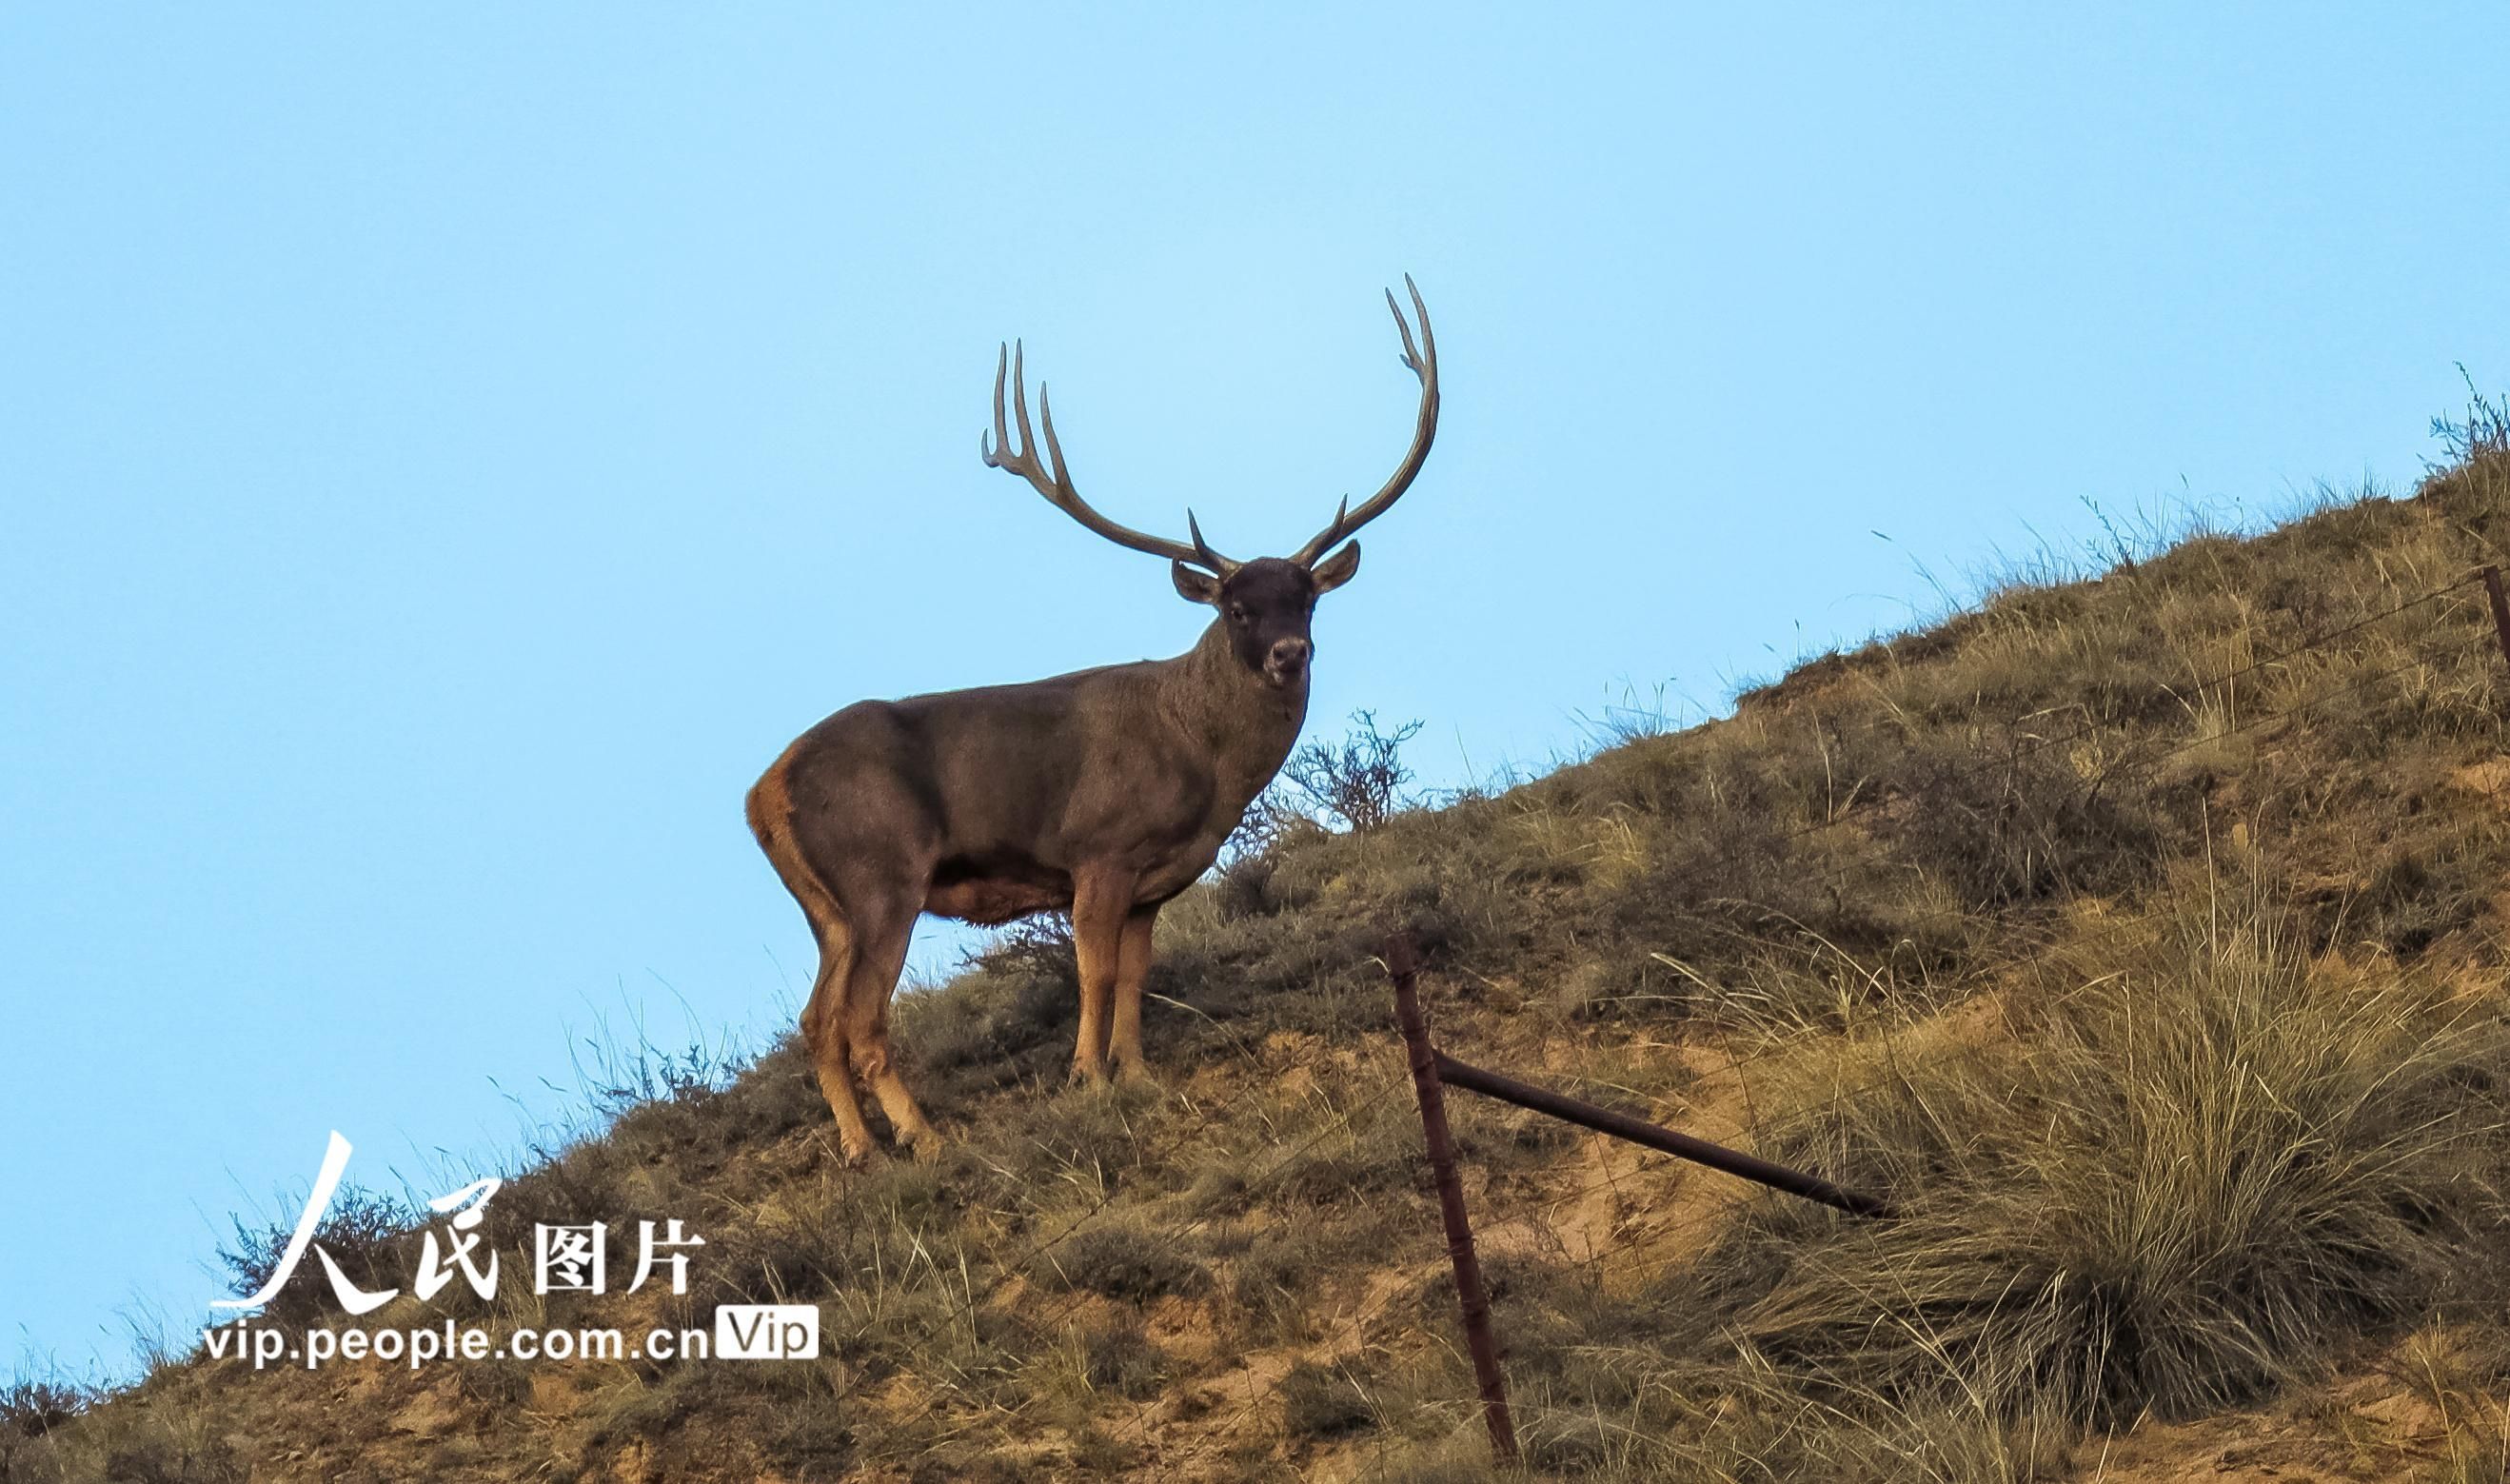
1289 654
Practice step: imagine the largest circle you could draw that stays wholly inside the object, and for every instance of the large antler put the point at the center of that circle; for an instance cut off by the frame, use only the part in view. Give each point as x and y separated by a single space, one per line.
1020 458
1423 362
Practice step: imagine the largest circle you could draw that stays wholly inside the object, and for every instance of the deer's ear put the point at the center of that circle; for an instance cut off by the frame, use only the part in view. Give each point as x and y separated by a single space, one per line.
1195 586
1337 569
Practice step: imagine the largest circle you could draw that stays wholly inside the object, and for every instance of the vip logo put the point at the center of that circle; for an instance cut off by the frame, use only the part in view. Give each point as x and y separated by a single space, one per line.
767 1331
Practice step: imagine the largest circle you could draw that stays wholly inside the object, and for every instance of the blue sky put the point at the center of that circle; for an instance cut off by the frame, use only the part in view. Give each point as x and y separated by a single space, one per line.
446 454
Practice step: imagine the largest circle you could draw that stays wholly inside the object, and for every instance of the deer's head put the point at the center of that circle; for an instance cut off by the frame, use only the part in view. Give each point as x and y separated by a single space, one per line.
1265 604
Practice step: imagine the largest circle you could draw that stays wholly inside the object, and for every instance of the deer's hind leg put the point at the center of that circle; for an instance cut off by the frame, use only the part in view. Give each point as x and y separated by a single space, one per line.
883 929
823 1033
772 818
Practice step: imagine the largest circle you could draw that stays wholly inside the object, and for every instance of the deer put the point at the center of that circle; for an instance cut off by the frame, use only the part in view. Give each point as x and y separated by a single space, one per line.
1103 793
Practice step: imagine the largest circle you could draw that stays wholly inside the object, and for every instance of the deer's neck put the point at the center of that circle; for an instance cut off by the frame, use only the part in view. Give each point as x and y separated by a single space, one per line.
1247 726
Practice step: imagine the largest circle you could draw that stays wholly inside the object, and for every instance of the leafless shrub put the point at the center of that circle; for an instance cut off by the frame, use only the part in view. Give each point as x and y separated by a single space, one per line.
30 1407
1359 780
362 1229
1033 947
1356 782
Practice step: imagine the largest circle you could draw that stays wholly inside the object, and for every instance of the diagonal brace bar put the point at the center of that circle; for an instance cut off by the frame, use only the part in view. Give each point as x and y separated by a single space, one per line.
1620 1125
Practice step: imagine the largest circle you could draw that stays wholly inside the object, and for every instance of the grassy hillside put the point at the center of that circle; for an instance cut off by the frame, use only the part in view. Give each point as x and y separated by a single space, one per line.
2141 938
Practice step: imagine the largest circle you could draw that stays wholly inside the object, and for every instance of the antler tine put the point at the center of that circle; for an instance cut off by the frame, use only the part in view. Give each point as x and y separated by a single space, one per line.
1053 480
1019 400
1202 549
1002 435
1422 360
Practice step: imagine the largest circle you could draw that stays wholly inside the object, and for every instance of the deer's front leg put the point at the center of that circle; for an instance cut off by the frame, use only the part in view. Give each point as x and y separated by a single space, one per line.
1100 899
1133 967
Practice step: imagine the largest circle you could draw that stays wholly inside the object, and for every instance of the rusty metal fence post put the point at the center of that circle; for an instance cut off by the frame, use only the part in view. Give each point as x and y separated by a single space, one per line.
2500 607
1471 1296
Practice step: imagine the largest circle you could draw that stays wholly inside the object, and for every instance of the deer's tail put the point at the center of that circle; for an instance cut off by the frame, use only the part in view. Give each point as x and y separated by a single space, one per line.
771 820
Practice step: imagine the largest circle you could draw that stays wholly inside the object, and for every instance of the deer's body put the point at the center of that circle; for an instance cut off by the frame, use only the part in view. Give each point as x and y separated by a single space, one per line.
1002 793
1103 793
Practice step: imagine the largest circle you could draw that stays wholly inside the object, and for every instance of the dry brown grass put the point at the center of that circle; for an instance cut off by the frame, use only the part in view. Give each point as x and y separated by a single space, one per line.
2142 936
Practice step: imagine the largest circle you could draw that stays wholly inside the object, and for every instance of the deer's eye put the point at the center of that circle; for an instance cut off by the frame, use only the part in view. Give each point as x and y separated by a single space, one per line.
1237 612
